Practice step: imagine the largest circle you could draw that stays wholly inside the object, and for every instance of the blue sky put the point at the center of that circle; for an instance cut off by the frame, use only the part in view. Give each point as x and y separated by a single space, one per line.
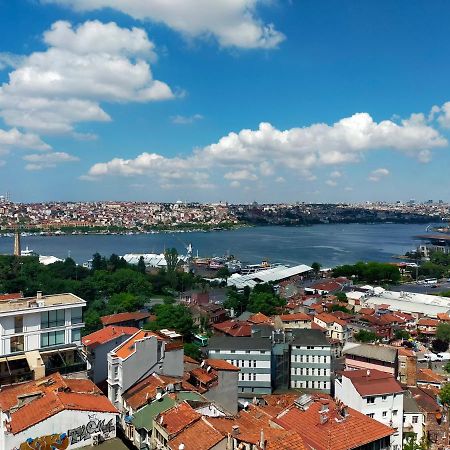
160 101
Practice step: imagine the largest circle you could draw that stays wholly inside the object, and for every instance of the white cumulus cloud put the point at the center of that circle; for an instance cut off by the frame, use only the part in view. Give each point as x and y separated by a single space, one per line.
378 174
52 90
47 160
300 150
234 23
185 120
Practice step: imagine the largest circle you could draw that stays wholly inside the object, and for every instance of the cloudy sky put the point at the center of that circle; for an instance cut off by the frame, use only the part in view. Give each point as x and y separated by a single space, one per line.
200 100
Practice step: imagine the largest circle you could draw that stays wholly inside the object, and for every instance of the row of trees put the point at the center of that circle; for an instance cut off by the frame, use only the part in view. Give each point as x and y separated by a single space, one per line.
371 272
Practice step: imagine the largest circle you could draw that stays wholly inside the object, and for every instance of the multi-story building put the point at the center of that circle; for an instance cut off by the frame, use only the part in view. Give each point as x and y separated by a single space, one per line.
97 345
296 320
377 395
335 328
252 355
138 357
39 336
310 360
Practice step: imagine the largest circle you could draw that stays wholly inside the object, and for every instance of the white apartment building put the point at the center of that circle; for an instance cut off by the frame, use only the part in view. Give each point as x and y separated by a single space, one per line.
377 395
40 335
252 355
335 328
138 357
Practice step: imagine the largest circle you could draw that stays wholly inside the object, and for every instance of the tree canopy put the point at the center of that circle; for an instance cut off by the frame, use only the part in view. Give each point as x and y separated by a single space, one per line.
365 336
443 332
369 272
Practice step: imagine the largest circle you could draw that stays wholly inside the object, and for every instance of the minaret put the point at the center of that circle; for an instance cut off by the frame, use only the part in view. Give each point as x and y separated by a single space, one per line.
17 249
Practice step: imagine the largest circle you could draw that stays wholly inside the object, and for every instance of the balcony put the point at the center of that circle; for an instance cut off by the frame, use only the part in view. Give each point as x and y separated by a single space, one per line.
64 361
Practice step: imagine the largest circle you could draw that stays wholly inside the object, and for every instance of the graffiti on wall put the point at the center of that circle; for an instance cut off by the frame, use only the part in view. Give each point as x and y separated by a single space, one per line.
94 426
50 442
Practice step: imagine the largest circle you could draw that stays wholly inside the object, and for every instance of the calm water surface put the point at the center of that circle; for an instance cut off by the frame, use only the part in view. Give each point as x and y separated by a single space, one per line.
328 244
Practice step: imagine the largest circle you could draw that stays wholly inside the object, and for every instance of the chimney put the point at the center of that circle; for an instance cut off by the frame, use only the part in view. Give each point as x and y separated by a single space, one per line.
262 442
235 430
39 295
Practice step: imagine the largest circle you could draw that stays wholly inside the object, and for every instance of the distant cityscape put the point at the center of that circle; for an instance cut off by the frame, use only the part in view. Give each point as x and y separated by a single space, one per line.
110 216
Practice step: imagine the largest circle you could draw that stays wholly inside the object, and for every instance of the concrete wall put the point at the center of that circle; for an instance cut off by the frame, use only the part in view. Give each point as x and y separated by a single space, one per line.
65 422
173 364
225 393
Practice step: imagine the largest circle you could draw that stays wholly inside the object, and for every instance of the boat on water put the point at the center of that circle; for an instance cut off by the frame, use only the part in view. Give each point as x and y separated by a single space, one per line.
253 268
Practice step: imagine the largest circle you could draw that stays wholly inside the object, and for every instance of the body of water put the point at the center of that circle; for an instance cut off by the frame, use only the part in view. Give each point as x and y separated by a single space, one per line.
330 245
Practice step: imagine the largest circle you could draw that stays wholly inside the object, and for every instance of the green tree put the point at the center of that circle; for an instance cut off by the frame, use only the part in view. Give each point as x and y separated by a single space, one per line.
341 296
141 265
193 351
98 262
171 257
438 345
178 317
444 395
339 308
447 367
223 272
316 267
264 302
409 443
402 334
365 336
443 332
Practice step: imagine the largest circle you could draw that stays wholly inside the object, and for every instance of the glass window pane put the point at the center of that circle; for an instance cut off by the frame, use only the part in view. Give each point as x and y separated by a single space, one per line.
51 338
76 335
44 340
44 320
59 337
60 318
77 315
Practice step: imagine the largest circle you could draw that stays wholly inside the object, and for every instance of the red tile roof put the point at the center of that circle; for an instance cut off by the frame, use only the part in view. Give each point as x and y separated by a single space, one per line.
203 376
259 318
329 318
373 382
428 376
127 348
7 297
106 335
425 322
139 394
367 311
51 395
335 431
177 418
295 316
201 435
234 328
221 364
444 317
124 317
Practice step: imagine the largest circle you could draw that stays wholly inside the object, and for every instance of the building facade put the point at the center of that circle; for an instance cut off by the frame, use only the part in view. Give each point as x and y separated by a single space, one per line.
310 361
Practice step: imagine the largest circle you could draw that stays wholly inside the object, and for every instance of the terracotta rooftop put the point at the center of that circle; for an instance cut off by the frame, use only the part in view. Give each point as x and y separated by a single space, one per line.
259 318
373 382
295 316
106 335
201 435
221 364
367 311
425 398
234 328
127 348
329 318
428 376
124 317
177 418
425 322
14 296
139 394
444 317
333 431
50 396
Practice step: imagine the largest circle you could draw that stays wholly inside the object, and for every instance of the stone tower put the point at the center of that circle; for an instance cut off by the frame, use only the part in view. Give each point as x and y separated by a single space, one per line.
17 249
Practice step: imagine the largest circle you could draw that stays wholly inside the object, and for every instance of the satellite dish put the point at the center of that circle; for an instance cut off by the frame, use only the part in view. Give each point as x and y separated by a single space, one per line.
181 447
158 396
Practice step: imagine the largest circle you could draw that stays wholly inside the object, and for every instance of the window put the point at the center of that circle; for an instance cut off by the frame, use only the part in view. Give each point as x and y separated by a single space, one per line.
51 319
384 397
254 377
77 315
52 338
415 419
18 324
370 399
370 415
254 363
76 335
394 413
384 413
17 344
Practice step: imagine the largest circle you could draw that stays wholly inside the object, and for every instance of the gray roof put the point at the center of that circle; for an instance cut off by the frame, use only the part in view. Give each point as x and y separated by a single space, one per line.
303 337
409 404
239 343
377 352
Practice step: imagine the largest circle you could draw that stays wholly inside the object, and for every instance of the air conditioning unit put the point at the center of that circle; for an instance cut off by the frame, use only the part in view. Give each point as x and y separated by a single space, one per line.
96 439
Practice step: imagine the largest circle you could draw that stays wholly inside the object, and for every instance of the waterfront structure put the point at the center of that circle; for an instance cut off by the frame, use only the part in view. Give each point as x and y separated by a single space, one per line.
97 345
310 361
40 335
139 356
273 275
53 413
252 355
418 305
376 394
